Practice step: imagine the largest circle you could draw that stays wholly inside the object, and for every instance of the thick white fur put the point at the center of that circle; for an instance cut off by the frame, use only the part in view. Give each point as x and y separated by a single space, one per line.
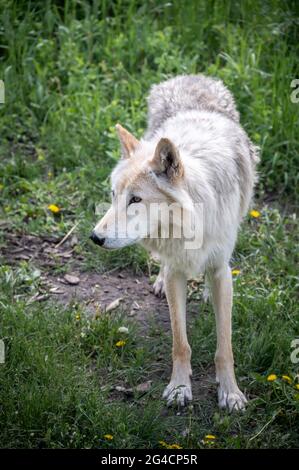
198 115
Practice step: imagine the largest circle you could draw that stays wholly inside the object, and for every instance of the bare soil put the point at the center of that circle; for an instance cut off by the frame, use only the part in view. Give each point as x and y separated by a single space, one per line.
98 292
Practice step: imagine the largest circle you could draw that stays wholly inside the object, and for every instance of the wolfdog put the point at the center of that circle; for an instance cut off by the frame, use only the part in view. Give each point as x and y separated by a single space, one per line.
194 154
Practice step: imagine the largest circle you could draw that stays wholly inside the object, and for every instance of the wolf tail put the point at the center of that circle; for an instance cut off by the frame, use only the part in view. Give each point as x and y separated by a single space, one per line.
254 152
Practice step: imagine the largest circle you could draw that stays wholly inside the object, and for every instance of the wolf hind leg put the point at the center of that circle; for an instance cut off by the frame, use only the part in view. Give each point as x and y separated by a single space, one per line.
229 394
206 295
159 284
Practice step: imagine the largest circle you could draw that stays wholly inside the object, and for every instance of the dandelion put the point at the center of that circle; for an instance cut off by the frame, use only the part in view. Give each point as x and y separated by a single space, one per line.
108 437
287 379
123 329
169 446
271 377
174 446
235 272
120 344
255 214
163 444
297 386
210 437
53 208
78 316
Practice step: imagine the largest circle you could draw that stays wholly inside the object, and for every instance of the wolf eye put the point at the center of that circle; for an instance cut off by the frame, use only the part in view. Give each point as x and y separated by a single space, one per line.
135 200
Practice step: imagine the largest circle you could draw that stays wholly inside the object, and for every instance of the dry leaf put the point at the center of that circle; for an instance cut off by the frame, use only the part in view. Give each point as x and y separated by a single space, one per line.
113 304
56 290
126 391
67 254
37 298
135 306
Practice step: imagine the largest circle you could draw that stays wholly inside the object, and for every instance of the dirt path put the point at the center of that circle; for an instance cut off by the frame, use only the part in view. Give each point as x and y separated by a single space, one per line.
96 291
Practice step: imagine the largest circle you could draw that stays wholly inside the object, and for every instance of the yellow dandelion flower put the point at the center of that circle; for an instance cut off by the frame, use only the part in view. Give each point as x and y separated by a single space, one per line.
53 208
255 214
169 446
287 379
297 386
235 272
120 343
163 443
174 446
108 437
271 377
78 317
210 437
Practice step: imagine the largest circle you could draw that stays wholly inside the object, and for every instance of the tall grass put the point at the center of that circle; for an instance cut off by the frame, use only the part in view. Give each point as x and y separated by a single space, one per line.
73 69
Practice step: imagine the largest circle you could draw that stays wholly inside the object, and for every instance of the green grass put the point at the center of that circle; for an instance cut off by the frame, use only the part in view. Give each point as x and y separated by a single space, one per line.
72 70
57 384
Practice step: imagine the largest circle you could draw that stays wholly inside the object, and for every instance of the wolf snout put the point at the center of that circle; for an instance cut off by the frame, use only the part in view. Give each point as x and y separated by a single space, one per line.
96 239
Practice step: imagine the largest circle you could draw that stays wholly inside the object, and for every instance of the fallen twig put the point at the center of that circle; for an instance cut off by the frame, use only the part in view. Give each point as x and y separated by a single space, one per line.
67 235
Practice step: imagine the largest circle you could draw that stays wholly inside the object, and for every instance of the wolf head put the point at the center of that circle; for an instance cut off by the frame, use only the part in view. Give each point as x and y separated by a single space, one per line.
148 179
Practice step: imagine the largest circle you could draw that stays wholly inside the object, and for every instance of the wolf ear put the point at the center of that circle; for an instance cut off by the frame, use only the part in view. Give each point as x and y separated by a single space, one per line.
127 140
167 160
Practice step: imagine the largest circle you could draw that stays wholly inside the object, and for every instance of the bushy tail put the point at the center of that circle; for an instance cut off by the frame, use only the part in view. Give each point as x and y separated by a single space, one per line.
254 151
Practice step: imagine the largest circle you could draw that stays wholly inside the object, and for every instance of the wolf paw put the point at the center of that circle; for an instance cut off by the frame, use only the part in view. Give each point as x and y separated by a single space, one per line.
158 287
179 395
234 400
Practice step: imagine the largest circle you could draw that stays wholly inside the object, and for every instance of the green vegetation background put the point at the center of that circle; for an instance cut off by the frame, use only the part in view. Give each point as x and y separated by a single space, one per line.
72 70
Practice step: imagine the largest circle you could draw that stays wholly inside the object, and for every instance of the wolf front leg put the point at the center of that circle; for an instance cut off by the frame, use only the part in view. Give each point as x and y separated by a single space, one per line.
159 284
179 389
229 395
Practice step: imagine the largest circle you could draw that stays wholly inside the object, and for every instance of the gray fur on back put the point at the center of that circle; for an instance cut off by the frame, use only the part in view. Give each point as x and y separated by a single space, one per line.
198 116
185 93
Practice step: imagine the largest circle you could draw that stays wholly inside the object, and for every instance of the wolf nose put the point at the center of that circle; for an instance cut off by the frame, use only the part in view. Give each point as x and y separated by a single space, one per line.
97 240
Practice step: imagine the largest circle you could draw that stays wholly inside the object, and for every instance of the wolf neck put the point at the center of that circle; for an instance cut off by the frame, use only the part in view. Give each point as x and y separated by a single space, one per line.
210 179
193 135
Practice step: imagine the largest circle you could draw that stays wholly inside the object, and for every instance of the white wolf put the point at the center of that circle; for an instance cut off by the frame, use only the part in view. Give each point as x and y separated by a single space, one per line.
196 154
